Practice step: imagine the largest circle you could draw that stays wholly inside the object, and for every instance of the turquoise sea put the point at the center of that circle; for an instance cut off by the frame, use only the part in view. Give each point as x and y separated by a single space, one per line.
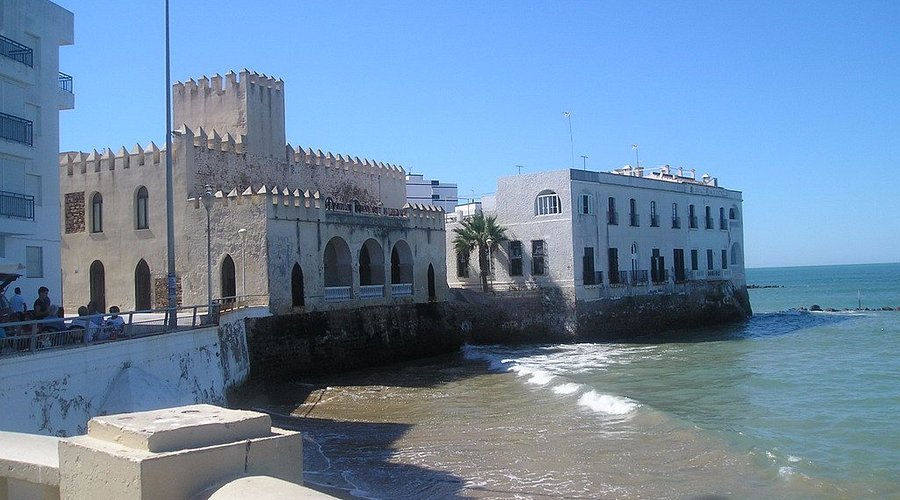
790 404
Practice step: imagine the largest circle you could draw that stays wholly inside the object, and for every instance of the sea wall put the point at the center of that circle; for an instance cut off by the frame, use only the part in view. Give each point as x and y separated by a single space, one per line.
293 345
56 392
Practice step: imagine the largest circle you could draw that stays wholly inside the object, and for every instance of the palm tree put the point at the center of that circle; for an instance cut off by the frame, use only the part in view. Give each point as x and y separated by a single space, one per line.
482 233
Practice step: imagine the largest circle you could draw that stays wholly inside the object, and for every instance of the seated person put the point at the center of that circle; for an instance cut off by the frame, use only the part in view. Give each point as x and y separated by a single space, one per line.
58 325
115 324
86 323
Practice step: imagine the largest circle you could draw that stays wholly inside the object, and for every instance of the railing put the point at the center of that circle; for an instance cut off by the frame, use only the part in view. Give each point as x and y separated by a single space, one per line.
660 276
698 274
401 289
635 220
709 223
16 51
16 129
241 301
639 276
620 277
714 274
612 217
595 278
723 223
654 220
27 337
371 291
676 222
693 221
17 205
65 82
337 293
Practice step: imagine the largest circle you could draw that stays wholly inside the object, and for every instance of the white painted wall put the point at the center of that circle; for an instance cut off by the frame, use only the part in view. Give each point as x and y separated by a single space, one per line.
57 392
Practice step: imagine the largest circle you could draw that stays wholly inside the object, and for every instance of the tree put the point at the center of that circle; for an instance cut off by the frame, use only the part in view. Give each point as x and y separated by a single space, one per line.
482 233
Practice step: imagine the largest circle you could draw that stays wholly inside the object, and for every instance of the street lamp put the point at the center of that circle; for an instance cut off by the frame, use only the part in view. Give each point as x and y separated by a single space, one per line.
490 244
243 233
208 200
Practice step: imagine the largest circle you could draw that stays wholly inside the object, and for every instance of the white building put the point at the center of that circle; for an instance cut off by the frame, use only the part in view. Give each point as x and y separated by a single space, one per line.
604 235
422 191
32 92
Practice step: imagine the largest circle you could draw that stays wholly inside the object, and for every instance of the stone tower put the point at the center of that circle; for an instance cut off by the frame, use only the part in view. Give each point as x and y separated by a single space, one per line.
251 106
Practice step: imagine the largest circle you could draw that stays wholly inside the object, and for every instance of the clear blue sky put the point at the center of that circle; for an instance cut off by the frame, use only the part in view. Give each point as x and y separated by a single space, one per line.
796 104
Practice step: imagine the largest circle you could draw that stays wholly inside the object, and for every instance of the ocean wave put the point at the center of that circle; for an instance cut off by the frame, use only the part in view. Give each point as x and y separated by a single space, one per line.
567 388
605 403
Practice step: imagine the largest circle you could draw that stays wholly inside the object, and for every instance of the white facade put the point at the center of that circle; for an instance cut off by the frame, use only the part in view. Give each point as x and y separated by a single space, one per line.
600 235
32 92
422 191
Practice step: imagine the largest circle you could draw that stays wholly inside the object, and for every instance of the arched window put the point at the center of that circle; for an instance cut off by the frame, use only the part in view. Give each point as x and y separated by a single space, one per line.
336 260
98 285
547 203
371 264
141 209
401 263
736 257
432 289
297 299
142 286
229 283
97 213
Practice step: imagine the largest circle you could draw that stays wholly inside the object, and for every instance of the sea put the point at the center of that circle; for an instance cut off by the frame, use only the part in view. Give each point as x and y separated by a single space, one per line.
792 403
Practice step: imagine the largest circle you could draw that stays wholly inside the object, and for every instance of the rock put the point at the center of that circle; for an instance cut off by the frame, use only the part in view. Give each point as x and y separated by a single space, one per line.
815 307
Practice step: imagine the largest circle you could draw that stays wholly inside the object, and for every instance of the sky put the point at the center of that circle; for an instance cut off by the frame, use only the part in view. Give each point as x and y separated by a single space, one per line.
795 104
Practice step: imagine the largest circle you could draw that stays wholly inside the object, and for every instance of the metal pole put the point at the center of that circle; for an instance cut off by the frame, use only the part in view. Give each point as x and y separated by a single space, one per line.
571 137
170 203
243 233
637 162
208 263
584 162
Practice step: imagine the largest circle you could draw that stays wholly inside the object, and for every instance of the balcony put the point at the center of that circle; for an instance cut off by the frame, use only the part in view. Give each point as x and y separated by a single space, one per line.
654 220
639 277
709 223
676 222
612 217
594 278
65 82
371 291
723 224
17 205
64 94
635 220
337 293
659 277
693 221
16 51
16 129
401 289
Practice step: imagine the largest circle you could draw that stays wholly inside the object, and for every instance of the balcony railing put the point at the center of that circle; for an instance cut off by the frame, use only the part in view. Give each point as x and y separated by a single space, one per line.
618 278
65 82
595 278
612 217
709 223
639 276
17 205
371 291
723 224
654 220
676 222
337 293
660 276
693 221
16 129
401 289
635 220
16 51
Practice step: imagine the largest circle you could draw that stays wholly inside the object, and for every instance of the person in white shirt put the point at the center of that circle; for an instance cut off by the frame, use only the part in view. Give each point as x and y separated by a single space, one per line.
115 324
17 303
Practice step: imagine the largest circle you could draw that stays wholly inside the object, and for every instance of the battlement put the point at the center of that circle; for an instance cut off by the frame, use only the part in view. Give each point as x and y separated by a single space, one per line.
233 82
310 205
83 162
309 158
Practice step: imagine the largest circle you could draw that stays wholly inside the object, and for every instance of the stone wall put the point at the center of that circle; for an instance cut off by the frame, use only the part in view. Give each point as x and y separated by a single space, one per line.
335 341
74 212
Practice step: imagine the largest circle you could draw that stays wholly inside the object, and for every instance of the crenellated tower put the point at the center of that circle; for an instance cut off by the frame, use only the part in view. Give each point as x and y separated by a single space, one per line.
248 106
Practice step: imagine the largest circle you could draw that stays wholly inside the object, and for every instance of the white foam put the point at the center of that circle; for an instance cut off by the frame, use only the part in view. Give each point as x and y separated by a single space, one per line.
792 458
785 471
604 403
567 388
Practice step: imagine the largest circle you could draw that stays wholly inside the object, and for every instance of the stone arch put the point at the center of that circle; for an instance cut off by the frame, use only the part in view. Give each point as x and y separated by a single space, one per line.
547 202
98 285
336 260
401 263
142 287
734 214
297 296
371 263
432 288
737 258
227 279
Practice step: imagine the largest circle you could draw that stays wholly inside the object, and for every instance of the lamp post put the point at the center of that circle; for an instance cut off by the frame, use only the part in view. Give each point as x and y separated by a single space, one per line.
170 203
243 233
208 200
490 244
637 161
568 116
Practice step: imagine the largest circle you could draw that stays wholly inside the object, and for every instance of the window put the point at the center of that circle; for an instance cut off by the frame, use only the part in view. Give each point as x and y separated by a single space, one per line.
709 219
724 259
587 266
142 220
635 218
587 204
654 218
548 203
695 260
709 259
692 217
676 221
732 214
97 213
723 222
515 258
538 256
613 264
34 262
462 264
611 214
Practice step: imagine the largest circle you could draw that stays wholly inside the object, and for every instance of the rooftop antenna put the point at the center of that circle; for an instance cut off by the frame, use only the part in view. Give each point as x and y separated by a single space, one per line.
637 162
584 162
520 169
568 116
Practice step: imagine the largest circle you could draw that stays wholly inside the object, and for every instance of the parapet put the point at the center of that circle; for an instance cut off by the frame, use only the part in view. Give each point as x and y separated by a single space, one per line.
309 158
234 82
83 162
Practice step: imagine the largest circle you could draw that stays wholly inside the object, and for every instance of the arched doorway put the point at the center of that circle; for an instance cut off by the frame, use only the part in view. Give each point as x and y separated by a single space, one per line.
142 286
98 285
338 270
297 286
401 269
432 292
229 284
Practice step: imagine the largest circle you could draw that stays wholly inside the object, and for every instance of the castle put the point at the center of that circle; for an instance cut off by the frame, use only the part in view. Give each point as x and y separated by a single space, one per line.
293 229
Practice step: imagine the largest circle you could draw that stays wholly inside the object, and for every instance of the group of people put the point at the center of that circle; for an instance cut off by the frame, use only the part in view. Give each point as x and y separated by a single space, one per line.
90 325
